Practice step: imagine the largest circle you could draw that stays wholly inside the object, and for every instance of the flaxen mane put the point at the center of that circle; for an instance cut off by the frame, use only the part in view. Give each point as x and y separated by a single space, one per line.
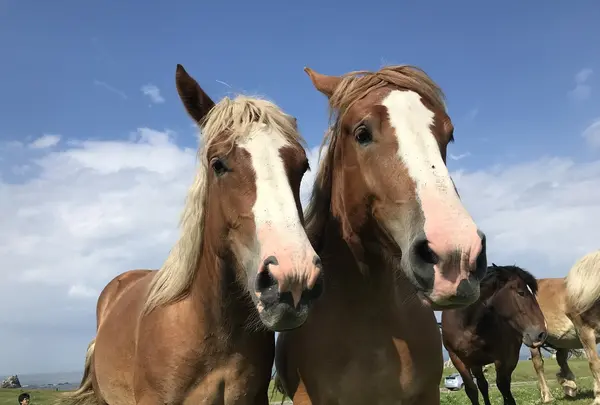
227 122
353 87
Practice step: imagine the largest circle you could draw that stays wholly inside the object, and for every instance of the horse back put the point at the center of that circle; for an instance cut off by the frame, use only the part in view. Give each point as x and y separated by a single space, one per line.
115 289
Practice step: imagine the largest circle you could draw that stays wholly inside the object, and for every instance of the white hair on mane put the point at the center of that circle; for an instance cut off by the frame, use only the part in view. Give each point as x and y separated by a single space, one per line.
227 122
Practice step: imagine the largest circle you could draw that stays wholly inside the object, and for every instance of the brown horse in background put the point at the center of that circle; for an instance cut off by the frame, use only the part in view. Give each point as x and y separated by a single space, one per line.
200 330
571 307
395 241
492 330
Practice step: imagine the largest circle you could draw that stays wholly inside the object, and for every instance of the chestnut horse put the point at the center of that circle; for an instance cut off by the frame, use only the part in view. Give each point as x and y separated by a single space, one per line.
395 241
571 306
492 329
200 330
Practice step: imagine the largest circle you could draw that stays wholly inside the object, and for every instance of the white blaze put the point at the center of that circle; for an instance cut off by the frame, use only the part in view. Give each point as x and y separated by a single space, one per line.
278 226
447 223
417 146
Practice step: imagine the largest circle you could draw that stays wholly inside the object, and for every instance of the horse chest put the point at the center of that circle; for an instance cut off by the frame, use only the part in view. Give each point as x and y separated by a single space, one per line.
373 382
235 382
382 370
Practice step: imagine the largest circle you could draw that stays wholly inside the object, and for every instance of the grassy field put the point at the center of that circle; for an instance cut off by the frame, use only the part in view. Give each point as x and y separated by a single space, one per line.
524 387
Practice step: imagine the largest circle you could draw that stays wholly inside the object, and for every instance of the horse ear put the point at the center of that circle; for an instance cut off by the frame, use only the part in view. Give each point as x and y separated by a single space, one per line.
494 265
196 102
325 84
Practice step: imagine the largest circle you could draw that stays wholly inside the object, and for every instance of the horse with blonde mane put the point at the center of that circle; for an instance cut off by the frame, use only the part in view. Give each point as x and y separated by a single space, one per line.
396 243
200 330
571 306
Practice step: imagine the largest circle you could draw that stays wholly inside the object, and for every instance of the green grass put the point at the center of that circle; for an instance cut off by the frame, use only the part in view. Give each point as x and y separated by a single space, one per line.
38 397
524 387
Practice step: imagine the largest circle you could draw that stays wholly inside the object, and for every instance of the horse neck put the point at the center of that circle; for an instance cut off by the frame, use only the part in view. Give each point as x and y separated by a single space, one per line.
377 280
480 316
475 313
218 296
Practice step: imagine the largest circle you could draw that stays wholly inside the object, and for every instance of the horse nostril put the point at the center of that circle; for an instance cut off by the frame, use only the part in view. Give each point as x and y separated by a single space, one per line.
317 262
265 281
481 261
482 236
465 289
423 252
317 290
542 336
270 260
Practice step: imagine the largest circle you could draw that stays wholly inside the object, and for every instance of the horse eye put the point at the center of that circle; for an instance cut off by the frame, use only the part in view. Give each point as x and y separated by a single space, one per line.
521 293
219 166
363 136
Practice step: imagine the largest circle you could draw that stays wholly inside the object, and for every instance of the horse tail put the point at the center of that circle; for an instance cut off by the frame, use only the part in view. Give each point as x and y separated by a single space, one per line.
583 282
85 394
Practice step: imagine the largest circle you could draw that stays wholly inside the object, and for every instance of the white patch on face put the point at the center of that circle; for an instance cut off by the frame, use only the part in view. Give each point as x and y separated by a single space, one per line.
275 210
448 226
417 147
529 289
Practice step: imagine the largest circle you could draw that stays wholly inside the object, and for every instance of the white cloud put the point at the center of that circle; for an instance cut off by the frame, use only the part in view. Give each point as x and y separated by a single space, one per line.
540 214
92 211
472 114
583 75
592 134
82 291
582 89
110 88
153 93
459 157
95 209
45 141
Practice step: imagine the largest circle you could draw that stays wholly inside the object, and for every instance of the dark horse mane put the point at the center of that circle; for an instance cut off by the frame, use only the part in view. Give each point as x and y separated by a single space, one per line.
497 276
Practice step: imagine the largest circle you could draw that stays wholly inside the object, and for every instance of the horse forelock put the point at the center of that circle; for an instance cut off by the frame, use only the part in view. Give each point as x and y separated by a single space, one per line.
228 122
497 276
356 85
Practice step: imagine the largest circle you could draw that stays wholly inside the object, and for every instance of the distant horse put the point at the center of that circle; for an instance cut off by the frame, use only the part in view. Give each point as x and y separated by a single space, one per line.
200 330
571 306
395 241
492 329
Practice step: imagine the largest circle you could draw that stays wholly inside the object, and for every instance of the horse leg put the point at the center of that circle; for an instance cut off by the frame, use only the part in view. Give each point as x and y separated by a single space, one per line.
503 379
587 336
538 366
565 376
470 387
482 384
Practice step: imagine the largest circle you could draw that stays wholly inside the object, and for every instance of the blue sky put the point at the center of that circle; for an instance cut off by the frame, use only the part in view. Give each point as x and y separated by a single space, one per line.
504 66
82 148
